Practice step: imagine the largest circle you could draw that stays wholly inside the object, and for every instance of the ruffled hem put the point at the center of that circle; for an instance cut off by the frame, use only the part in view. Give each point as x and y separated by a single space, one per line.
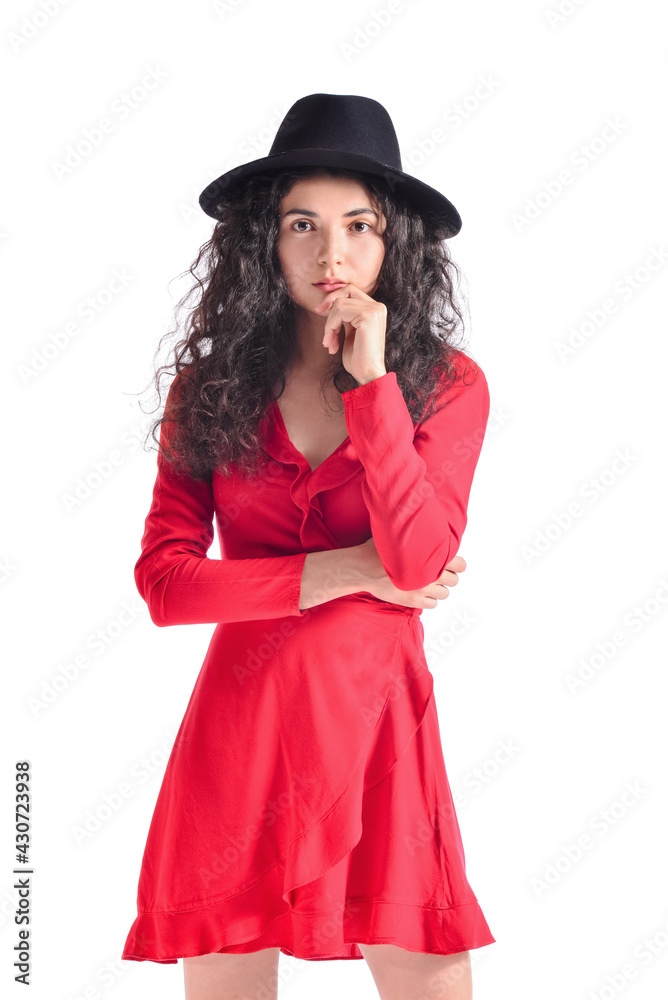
310 906
164 935
326 937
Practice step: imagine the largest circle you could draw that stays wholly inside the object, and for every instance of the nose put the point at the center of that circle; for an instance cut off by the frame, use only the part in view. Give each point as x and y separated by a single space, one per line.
330 247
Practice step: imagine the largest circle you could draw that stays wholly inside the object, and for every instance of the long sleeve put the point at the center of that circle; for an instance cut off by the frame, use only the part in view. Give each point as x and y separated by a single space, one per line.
417 480
181 585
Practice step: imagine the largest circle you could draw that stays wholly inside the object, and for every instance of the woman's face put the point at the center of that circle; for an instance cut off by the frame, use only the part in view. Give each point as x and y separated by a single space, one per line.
328 229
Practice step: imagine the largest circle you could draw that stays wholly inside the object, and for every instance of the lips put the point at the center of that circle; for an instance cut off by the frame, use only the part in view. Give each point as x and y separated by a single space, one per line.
329 286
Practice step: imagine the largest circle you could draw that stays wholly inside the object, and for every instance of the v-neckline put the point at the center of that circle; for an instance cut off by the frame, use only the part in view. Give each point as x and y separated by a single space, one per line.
281 422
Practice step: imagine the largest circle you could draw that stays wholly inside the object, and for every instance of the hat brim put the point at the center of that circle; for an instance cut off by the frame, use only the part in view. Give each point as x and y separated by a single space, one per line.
416 192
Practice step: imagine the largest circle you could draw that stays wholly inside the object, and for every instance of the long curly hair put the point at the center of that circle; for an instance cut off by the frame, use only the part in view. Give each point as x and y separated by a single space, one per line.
240 332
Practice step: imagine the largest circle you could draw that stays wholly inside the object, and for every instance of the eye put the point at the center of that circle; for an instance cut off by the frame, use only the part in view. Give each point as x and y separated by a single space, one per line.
304 222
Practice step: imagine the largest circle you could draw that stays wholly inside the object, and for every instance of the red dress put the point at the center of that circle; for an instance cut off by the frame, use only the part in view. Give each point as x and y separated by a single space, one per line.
305 804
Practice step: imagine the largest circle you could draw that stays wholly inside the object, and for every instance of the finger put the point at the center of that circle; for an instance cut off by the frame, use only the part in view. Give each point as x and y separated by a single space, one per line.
331 297
344 294
331 336
458 564
327 336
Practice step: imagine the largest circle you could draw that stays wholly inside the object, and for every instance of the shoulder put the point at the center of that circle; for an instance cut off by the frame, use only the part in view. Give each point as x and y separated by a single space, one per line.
464 370
461 390
463 377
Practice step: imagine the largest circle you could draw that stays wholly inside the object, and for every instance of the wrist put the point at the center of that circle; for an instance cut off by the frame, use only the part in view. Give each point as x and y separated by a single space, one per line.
372 377
355 568
331 573
365 563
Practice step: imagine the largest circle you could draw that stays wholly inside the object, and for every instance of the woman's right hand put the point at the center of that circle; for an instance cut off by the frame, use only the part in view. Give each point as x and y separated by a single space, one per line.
379 584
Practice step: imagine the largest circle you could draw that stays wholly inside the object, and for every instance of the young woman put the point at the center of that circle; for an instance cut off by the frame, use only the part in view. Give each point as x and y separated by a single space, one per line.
322 416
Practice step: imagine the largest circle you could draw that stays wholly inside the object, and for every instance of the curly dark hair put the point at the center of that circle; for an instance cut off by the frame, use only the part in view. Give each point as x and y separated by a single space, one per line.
241 331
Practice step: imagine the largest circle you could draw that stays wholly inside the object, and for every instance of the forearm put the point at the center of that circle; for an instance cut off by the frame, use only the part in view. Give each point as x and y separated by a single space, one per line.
334 573
417 480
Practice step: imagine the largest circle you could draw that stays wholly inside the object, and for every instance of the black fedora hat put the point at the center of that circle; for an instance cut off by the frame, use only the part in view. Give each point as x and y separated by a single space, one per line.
338 130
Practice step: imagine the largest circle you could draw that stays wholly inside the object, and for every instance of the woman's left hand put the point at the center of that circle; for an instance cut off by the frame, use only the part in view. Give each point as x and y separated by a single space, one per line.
364 321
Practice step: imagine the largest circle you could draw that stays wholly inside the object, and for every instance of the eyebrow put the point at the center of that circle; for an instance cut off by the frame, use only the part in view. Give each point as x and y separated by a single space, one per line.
346 215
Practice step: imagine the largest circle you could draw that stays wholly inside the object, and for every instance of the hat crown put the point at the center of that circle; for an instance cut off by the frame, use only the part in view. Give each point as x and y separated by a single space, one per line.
338 130
343 122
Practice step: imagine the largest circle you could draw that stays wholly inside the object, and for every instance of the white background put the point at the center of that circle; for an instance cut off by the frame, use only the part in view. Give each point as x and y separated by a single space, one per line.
223 77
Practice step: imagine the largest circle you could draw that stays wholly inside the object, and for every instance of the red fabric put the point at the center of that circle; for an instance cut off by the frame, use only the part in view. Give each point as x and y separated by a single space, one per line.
305 804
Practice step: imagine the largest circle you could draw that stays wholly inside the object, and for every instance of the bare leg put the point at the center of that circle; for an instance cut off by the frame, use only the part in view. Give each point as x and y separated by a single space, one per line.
232 977
410 975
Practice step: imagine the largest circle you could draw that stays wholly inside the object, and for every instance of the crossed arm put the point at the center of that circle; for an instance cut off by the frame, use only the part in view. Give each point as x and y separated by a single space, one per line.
416 488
